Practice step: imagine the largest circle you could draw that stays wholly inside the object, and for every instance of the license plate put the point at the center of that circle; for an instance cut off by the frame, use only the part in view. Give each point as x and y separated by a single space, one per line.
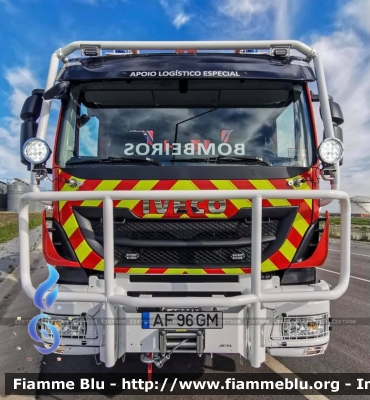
182 320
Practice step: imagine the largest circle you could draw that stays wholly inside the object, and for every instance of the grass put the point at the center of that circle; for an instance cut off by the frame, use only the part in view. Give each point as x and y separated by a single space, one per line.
355 221
9 224
360 228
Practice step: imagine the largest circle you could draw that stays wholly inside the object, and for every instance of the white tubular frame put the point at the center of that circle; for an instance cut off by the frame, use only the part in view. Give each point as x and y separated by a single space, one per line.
255 298
62 54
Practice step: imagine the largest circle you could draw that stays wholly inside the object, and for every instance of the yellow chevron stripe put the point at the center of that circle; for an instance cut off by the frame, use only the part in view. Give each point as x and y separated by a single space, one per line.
184 185
145 185
224 185
268 266
130 204
241 203
190 271
100 265
267 185
233 271
288 250
153 216
141 185
139 271
82 251
300 224
103 185
228 185
70 225
215 216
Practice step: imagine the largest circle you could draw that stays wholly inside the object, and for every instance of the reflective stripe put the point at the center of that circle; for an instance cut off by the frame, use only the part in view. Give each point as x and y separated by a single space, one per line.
228 185
145 185
130 204
100 266
224 185
288 250
300 224
70 225
241 203
267 185
216 215
184 185
281 257
233 271
138 271
141 185
268 266
82 251
103 185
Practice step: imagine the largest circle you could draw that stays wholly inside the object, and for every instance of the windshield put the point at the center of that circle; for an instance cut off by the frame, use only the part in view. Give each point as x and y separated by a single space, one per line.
246 126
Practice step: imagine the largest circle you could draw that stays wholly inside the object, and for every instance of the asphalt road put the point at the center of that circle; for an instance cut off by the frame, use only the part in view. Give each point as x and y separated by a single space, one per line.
349 348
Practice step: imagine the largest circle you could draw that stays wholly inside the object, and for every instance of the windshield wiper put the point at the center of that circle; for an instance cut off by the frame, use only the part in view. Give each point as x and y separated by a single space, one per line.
219 159
112 160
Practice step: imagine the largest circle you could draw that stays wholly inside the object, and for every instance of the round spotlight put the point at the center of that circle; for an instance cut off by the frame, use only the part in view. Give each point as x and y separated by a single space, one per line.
36 151
331 150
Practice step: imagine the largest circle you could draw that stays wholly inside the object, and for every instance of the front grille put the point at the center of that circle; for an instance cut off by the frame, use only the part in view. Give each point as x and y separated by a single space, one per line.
171 235
173 255
185 230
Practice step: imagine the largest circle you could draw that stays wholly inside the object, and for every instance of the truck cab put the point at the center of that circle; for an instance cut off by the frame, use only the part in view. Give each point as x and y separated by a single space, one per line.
185 199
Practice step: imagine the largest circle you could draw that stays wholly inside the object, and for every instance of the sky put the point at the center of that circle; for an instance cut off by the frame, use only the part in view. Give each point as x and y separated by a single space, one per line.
30 30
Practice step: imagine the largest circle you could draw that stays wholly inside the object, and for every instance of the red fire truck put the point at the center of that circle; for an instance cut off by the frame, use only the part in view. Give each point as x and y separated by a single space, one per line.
185 199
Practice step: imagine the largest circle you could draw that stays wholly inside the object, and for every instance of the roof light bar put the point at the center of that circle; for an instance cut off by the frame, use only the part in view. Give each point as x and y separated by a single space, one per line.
280 51
91 51
122 53
186 51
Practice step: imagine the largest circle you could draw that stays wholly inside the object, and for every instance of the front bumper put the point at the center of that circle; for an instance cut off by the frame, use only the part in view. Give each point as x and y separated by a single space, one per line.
233 338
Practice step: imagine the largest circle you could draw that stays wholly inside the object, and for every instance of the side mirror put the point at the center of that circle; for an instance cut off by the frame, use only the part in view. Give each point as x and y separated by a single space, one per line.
336 113
58 91
31 111
337 118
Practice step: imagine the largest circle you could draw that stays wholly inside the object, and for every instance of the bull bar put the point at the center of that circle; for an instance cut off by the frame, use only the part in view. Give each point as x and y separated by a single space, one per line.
255 298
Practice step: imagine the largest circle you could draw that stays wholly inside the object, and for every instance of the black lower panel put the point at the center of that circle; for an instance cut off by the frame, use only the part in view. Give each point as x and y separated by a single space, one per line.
170 255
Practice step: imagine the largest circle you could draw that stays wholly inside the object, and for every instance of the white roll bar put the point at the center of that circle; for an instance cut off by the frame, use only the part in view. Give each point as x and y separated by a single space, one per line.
255 195
110 298
62 53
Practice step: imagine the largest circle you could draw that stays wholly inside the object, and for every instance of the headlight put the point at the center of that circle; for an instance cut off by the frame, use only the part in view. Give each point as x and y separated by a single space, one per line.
68 326
36 151
305 327
331 150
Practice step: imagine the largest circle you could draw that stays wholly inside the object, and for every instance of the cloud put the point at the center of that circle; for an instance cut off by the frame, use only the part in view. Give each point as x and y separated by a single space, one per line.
348 79
235 8
358 12
180 20
21 82
268 19
175 11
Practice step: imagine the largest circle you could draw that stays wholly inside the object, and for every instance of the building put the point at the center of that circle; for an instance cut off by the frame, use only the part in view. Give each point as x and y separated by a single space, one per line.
360 206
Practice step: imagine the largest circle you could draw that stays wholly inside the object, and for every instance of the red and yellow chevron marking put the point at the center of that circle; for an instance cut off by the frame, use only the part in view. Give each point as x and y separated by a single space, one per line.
281 259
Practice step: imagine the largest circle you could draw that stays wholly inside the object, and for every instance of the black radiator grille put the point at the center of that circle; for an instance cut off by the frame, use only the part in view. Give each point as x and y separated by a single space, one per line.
181 230
185 230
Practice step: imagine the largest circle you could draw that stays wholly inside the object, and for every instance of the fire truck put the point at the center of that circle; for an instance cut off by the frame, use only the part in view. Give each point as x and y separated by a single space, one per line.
186 208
